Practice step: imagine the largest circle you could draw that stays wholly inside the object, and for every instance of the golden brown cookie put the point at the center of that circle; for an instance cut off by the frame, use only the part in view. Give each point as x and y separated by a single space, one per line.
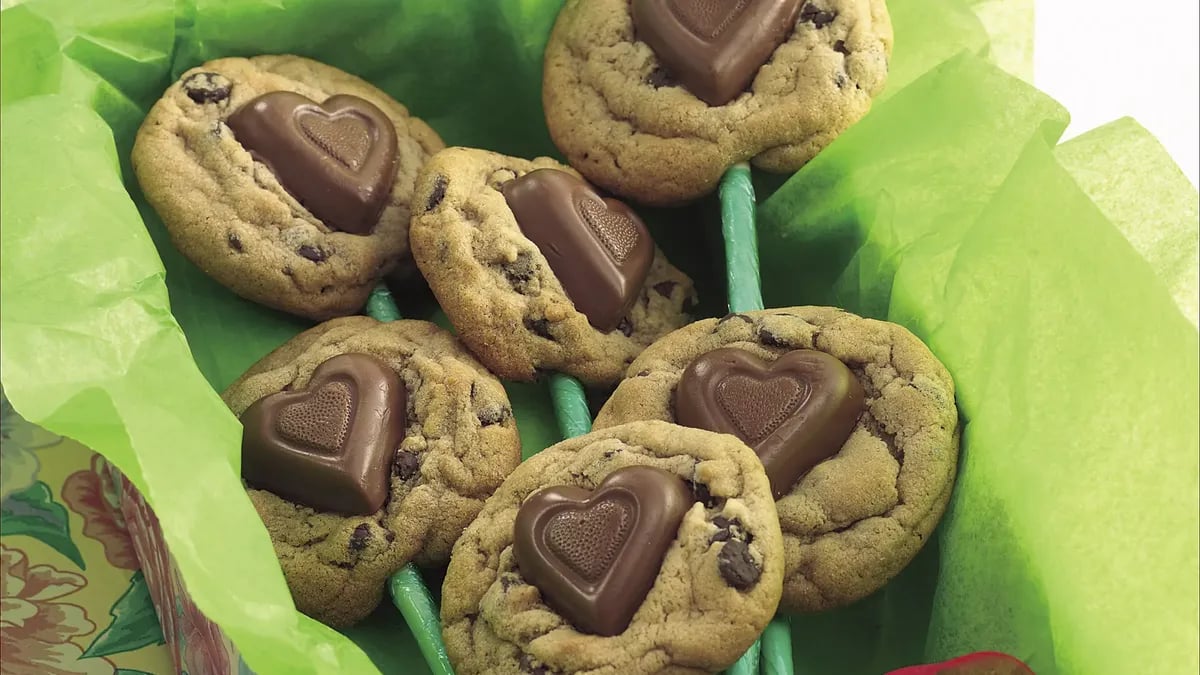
278 236
854 520
509 297
625 121
715 589
459 442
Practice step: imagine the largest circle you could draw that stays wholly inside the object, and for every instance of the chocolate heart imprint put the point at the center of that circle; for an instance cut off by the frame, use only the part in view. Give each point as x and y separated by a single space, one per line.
595 555
795 412
714 47
330 445
338 159
598 248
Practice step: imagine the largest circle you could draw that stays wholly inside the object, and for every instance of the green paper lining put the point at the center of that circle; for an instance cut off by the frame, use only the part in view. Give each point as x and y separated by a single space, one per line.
1089 520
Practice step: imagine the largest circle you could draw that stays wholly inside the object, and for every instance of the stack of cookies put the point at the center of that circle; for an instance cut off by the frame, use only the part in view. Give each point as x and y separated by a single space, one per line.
792 458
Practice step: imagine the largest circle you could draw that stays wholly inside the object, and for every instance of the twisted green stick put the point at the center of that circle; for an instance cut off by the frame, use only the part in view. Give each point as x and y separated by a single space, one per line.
409 593
772 654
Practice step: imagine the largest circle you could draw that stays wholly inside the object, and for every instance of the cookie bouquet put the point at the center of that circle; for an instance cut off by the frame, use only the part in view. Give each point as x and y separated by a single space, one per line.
607 335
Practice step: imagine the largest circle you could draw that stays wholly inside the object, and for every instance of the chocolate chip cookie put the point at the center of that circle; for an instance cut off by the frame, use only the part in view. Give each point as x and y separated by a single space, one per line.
854 420
286 180
537 271
643 548
368 445
655 99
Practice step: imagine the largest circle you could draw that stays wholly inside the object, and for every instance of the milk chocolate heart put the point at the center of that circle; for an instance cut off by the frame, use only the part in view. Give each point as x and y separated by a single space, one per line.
598 248
595 555
330 445
714 47
338 159
795 412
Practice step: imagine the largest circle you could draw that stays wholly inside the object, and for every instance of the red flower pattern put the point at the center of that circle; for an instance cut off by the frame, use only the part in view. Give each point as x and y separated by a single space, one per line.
36 626
92 494
197 644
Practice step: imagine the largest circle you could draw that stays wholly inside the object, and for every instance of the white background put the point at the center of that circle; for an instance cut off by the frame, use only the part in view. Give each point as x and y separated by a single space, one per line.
1105 59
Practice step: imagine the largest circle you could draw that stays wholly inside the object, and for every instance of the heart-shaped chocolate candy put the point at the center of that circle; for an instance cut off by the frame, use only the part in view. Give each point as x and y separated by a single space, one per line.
338 159
714 47
795 412
598 248
595 555
330 445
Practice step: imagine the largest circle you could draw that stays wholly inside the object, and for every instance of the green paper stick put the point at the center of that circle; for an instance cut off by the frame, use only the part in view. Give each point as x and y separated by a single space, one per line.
741 240
748 663
777 647
409 592
381 306
570 405
412 598
745 294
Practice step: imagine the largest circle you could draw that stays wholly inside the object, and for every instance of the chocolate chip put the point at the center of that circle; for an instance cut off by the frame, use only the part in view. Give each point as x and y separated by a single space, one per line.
493 415
526 663
539 327
358 539
818 17
736 566
659 78
344 565
507 581
665 288
312 253
206 87
520 271
728 317
701 494
235 242
625 327
439 192
840 46
772 340
405 465
644 373
840 80
389 536
727 529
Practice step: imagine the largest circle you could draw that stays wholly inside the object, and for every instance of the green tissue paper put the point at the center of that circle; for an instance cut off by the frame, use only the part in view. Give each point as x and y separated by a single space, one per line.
1053 281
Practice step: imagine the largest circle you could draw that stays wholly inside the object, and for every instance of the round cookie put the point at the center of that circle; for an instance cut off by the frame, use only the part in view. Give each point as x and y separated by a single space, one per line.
624 121
499 290
716 589
230 214
460 442
857 518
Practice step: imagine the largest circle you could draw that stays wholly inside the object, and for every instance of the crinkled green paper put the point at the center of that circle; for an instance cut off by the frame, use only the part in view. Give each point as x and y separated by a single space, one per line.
1072 538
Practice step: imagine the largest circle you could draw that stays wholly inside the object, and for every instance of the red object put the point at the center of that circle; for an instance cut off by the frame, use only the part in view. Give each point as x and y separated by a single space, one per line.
979 663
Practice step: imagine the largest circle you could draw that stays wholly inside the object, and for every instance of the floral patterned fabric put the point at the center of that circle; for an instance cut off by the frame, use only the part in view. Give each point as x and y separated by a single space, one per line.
72 598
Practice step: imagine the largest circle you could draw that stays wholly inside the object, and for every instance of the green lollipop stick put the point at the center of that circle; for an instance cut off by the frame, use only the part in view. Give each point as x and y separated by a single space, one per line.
410 595
570 406
777 647
741 239
773 653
